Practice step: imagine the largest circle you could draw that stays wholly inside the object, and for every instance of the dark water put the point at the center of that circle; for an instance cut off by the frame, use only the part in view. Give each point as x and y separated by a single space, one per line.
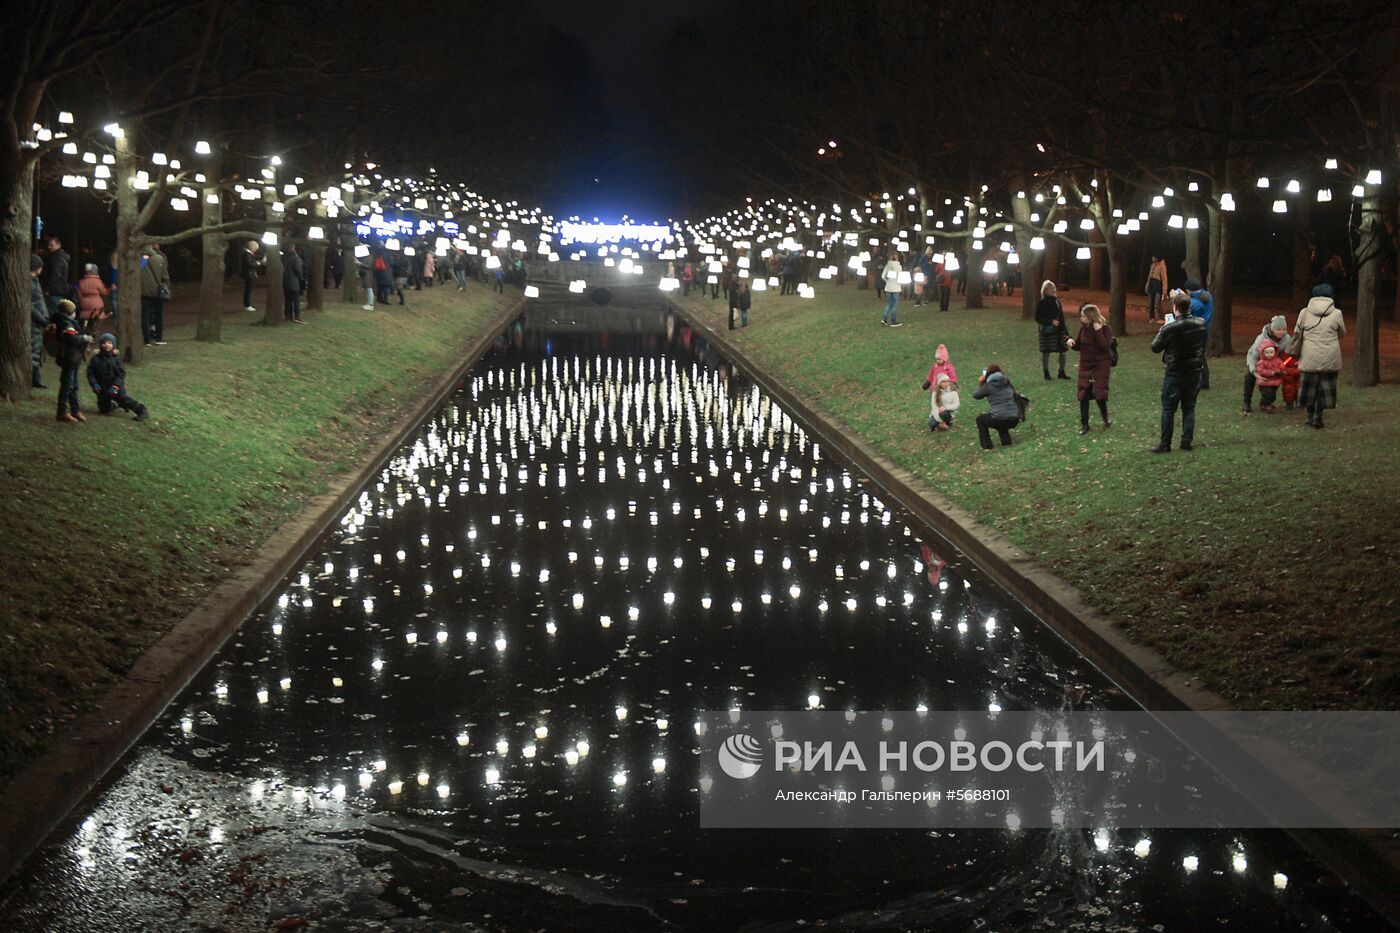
473 707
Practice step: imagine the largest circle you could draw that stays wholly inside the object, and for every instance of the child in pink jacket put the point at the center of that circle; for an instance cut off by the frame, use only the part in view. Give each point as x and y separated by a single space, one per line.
1268 374
941 367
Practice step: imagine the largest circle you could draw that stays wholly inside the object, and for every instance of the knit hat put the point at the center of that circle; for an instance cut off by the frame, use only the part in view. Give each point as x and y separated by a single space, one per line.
1279 323
35 262
105 338
67 307
1193 285
1322 291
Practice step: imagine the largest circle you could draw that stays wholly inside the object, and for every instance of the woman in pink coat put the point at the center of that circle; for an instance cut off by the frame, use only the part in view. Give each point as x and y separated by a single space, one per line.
92 296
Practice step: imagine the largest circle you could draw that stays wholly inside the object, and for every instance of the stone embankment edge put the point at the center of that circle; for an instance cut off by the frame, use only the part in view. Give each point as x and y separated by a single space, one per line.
1368 860
41 795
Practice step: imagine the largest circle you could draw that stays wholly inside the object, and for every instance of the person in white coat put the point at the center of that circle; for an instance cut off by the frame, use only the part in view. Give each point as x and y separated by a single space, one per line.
890 276
1319 331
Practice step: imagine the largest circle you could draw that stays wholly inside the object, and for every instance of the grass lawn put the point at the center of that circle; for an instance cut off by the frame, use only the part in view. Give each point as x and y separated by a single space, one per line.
112 530
1264 561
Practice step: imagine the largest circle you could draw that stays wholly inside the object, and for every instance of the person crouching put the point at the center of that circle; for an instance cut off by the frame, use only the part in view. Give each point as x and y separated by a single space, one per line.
107 377
945 404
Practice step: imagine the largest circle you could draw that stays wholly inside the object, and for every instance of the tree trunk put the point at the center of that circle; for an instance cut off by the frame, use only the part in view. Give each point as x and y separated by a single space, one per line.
272 310
973 267
129 335
1302 254
1031 260
16 223
1222 279
350 284
211 277
1366 364
316 259
1192 263
1117 260
1050 262
1098 258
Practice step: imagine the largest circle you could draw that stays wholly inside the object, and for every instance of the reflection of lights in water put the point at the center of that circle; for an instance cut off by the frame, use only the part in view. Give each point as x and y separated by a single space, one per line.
366 779
187 724
221 690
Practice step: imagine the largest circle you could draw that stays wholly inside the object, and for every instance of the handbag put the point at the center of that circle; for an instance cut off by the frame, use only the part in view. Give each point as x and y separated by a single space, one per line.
1113 352
1023 404
163 291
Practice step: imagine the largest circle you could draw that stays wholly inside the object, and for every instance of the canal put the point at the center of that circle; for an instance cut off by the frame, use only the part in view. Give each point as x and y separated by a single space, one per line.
473 705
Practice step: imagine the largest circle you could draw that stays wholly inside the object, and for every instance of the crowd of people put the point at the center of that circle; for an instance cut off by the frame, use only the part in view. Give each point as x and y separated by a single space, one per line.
1303 365
69 313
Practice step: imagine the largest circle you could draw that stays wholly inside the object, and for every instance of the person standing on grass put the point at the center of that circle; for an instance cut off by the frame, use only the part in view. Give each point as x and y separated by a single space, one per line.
292 273
1317 345
944 280
1156 287
55 277
459 268
1269 375
248 266
1095 348
38 320
92 297
1203 307
402 267
383 275
1002 413
72 347
1182 344
1050 321
364 268
155 290
1275 332
889 276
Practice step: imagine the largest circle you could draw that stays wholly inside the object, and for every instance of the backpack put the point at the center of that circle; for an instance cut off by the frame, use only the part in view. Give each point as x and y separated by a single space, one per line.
379 264
1023 404
53 341
1113 352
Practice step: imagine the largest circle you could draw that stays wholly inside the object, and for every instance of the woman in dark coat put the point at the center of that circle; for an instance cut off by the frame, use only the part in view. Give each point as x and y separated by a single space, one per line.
1050 321
1095 347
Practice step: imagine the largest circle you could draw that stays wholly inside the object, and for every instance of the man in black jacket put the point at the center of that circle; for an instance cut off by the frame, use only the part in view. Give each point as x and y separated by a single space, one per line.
55 278
292 272
249 268
1182 344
